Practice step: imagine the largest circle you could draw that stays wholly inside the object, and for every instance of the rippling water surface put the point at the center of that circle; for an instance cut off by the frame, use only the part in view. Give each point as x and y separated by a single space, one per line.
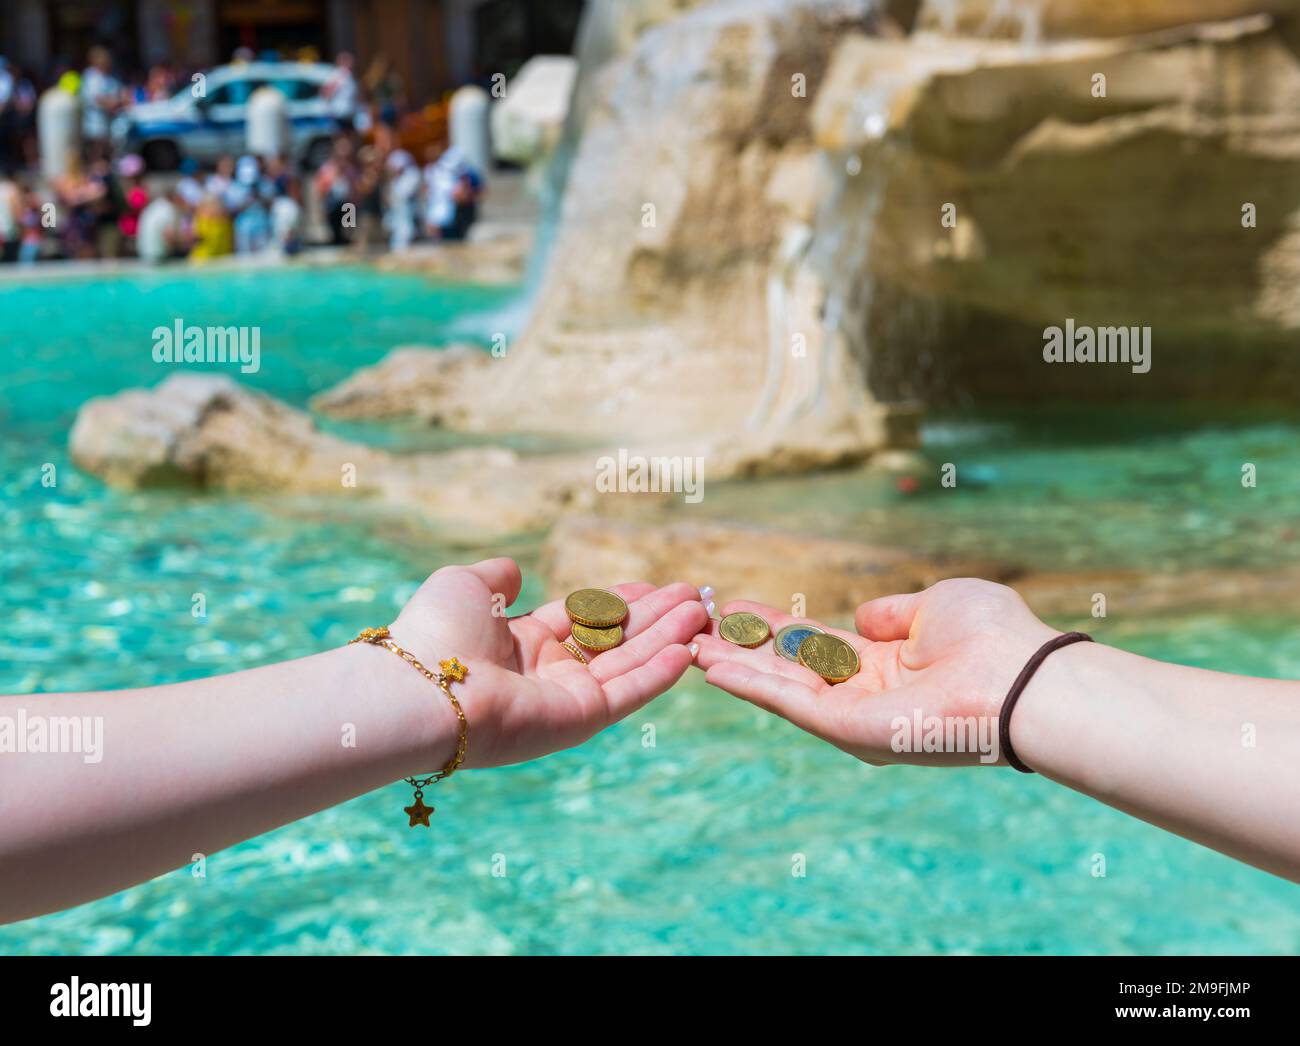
684 847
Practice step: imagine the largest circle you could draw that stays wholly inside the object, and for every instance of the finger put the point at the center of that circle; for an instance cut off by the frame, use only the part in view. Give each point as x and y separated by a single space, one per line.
653 605
713 651
677 626
555 618
889 617
633 689
501 575
785 697
777 620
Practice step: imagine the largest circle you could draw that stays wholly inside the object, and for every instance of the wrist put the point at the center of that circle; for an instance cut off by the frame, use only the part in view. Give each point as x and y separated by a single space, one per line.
419 725
1064 723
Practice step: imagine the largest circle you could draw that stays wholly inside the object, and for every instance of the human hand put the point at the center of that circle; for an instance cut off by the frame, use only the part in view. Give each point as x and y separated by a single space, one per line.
524 695
951 652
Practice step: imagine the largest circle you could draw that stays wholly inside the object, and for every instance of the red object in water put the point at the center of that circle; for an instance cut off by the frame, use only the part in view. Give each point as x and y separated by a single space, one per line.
906 484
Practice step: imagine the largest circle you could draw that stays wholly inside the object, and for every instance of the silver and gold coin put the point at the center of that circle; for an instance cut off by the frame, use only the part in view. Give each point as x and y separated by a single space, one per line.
829 656
789 638
597 639
595 608
744 629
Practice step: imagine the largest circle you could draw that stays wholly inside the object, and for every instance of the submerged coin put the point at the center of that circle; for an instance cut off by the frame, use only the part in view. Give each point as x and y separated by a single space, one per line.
829 656
595 607
598 639
789 638
744 629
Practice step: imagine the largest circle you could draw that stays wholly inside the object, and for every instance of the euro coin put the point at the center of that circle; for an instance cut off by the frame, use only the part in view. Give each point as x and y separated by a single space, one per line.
744 629
789 638
598 639
595 607
829 656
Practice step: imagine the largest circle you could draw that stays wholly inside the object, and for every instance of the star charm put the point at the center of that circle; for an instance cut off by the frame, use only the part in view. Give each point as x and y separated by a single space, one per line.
453 670
419 813
369 635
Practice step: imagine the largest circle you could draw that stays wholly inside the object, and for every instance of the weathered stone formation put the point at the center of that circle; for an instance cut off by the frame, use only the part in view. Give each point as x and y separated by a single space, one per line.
663 318
1141 181
787 221
209 431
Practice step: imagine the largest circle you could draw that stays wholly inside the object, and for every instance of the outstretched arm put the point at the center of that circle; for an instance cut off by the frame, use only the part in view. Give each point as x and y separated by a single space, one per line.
1213 757
193 767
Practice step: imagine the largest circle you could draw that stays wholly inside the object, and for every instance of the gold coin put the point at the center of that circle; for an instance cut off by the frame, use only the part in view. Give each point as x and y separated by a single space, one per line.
744 629
595 607
598 639
829 656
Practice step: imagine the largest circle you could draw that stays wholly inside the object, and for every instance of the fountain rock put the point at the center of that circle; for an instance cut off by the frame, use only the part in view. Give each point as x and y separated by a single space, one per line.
410 381
1165 195
210 431
1054 19
651 322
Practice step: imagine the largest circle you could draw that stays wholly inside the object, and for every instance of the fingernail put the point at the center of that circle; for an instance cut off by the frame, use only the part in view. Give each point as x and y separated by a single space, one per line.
709 607
706 592
694 649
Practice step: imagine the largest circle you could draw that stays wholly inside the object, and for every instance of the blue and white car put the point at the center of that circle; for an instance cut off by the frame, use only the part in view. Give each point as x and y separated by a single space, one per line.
206 119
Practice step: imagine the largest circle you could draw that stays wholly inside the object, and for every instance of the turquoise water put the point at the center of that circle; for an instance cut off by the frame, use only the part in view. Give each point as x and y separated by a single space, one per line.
680 848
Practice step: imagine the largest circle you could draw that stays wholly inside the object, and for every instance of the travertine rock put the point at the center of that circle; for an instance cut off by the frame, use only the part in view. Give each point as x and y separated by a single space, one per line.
209 431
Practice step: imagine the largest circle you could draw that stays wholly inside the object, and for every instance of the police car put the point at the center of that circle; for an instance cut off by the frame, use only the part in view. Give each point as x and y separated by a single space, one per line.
206 118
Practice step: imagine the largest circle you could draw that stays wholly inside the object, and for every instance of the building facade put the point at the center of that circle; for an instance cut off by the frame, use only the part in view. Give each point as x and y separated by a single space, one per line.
432 45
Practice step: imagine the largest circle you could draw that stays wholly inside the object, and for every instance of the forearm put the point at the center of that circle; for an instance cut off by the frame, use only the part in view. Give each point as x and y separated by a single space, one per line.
194 767
1213 757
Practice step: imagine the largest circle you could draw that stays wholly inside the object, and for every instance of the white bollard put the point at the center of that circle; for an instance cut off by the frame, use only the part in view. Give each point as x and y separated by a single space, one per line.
58 131
468 126
267 123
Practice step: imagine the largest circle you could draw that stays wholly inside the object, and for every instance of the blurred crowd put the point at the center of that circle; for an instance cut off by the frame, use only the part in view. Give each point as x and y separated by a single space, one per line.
370 192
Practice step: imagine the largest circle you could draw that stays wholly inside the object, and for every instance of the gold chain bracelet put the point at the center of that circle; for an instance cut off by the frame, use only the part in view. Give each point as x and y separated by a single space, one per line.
452 671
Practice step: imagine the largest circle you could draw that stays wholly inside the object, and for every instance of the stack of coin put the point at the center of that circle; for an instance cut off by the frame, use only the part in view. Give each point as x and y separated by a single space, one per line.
597 618
829 656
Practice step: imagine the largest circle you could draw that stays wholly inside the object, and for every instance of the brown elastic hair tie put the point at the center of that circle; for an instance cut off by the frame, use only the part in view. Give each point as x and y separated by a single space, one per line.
1018 688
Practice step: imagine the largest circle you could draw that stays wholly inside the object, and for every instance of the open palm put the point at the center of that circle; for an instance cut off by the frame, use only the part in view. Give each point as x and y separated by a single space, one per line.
525 695
950 652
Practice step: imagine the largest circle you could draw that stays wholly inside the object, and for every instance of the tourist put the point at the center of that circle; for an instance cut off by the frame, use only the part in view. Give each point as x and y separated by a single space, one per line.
33 234
452 191
101 99
135 197
218 183
1170 744
11 215
108 206
161 233
212 758
286 224
341 93
386 91
336 187
77 196
244 200
403 192
213 230
8 115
